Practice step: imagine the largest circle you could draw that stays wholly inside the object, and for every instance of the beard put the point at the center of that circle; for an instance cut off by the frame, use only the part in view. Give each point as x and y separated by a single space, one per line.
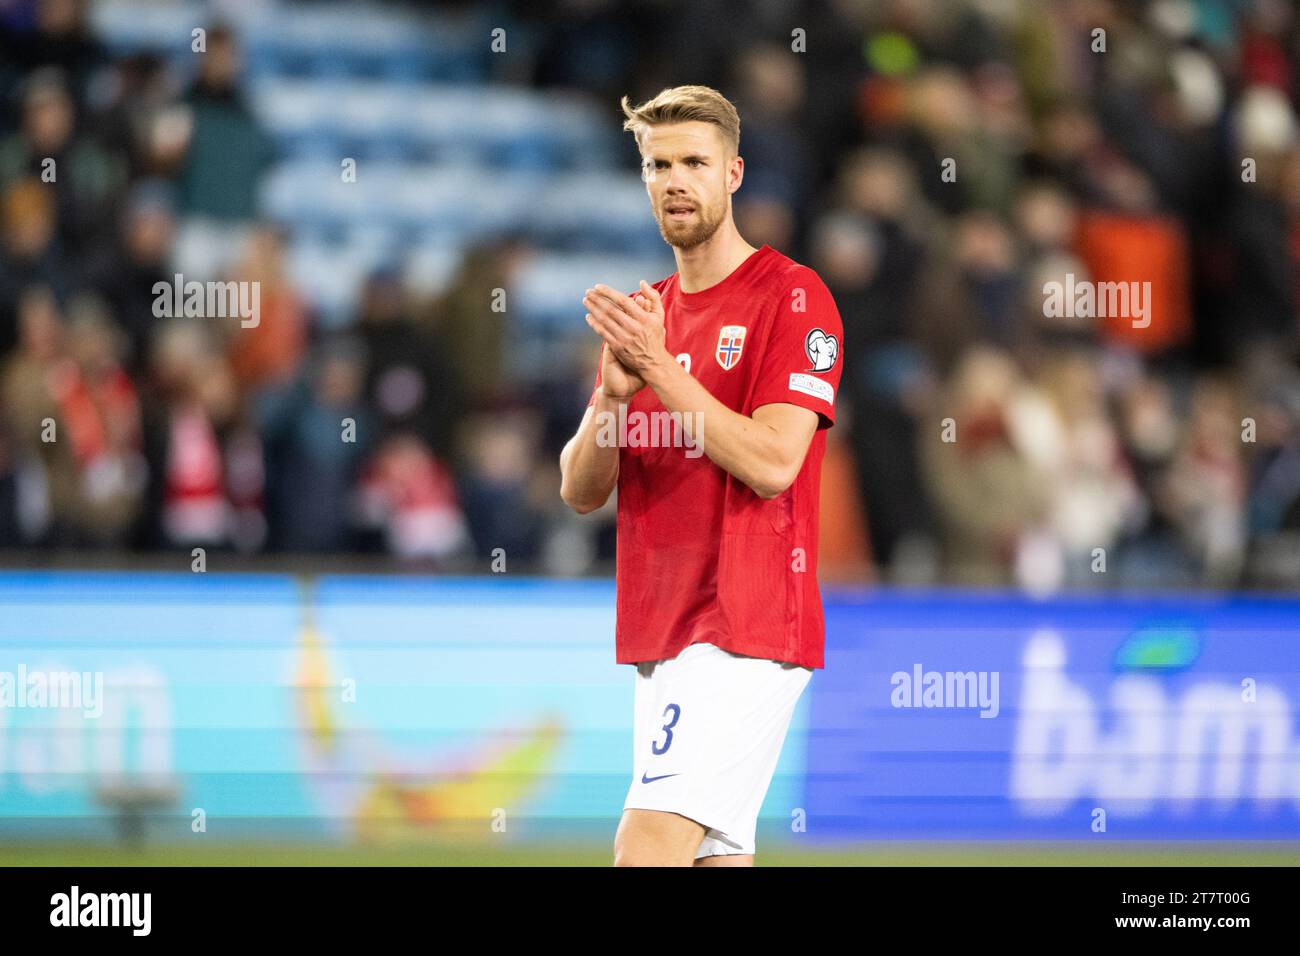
690 233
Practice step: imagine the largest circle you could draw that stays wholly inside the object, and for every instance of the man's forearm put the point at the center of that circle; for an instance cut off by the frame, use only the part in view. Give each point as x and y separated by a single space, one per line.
739 445
588 470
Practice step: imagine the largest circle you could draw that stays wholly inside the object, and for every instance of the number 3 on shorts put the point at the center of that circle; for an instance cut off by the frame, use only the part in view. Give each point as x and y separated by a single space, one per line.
668 731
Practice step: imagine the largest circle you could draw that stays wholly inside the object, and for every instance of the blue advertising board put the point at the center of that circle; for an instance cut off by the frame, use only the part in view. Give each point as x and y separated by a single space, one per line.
373 707
967 715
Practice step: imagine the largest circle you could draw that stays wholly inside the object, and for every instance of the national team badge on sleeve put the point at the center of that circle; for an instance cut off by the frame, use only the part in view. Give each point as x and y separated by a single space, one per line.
731 340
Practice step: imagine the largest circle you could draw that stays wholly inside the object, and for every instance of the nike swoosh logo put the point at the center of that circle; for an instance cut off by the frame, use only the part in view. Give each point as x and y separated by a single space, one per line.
648 779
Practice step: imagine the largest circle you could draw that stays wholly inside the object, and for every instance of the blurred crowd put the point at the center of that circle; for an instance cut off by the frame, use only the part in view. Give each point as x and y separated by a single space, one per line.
936 161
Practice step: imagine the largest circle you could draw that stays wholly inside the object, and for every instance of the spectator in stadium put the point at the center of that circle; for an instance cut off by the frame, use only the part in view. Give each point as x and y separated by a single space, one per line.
228 151
84 178
779 165
76 419
191 408
49 33
408 497
965 151
99 414
126 272
32 253
270 352
878 186
1066 431
141 119
410 381
43 469
504 495
970 291
989 496
1258 247
317 434
884 387
1152 554
470 323
1204 492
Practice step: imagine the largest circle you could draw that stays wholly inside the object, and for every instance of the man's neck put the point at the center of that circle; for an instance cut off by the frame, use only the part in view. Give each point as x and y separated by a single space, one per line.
712 260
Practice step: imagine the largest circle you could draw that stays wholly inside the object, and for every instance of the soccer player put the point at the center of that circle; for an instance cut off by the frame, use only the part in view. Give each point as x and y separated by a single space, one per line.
716 584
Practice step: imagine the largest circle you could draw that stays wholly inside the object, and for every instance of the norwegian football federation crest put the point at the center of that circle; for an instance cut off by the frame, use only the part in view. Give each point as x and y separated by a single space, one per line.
731 340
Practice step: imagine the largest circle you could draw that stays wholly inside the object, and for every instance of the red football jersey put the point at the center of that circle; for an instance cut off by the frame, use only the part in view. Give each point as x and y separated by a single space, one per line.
700 556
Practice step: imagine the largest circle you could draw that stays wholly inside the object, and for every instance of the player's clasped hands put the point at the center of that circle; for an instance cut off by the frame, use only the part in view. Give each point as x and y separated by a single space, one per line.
632 326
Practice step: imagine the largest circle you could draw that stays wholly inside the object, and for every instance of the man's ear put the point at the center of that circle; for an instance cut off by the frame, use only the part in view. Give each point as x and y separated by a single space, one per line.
736 174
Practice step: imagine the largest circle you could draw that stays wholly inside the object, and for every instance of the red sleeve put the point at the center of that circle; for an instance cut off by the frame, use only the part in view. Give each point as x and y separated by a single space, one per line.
801 364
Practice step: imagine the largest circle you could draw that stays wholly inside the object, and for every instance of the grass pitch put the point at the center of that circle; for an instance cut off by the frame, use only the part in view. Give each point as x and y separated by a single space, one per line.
486 854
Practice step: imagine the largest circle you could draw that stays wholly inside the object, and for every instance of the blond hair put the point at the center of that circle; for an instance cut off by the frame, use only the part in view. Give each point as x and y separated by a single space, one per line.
684 104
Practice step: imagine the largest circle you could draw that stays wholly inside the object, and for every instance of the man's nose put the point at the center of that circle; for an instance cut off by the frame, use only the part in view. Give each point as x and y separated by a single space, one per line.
673 182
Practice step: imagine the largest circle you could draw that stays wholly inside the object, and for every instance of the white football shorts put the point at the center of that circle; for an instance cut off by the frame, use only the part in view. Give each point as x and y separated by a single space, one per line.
709 726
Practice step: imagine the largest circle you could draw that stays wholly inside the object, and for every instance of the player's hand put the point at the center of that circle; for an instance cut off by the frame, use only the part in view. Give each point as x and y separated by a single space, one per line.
616 381
647 297
632 326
